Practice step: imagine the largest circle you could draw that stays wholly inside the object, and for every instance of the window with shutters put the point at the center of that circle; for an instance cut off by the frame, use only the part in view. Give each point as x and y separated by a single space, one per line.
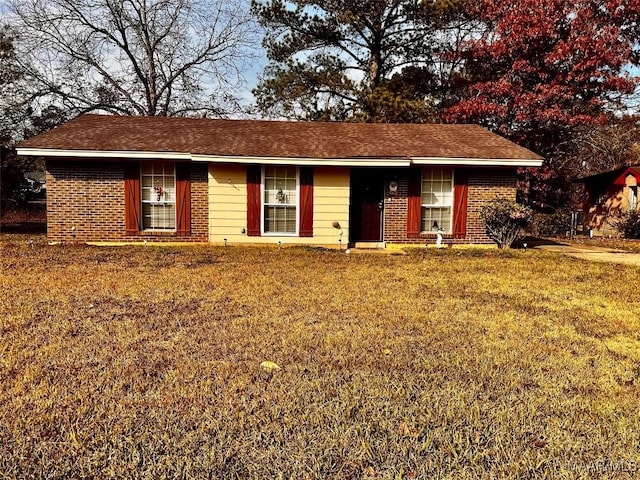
280 200
158 195
437 195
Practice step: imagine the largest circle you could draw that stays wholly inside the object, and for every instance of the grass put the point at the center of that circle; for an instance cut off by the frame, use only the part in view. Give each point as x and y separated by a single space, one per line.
629 245
145 363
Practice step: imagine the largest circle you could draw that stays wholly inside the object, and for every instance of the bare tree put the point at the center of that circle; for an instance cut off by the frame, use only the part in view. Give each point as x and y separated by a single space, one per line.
136 57
594 149
10 75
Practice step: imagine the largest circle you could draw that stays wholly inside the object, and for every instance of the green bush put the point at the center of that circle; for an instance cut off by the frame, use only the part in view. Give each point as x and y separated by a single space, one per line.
504 220
553 224
629 224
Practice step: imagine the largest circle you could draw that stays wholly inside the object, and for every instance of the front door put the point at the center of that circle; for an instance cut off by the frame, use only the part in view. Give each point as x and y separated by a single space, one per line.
367 205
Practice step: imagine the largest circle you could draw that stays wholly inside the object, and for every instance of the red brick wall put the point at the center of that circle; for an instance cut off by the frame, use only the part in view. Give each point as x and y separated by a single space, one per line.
395 209
484 185
85 202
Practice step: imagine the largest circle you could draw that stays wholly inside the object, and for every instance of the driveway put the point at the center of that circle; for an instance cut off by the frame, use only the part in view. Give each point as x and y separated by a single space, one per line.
596 254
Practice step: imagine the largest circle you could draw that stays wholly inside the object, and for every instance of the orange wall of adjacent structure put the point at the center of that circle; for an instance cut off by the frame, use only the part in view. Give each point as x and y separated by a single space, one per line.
228 207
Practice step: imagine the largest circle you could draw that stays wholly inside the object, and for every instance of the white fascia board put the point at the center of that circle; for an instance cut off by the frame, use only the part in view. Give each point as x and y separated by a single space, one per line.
330 162
312 162
479 162
51 152
338 162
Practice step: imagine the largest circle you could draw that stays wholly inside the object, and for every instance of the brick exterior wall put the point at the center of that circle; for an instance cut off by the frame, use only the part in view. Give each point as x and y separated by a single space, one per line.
85 202
484 185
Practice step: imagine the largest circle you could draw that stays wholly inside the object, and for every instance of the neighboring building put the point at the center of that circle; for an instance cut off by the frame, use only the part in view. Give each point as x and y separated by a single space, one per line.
35 183
124 179
608 195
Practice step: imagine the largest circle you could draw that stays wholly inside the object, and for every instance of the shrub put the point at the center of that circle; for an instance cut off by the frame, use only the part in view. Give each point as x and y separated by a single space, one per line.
553 224
629 224
504 220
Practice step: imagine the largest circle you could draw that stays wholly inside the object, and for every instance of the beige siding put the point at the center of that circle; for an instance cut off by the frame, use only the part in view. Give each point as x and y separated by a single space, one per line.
228 207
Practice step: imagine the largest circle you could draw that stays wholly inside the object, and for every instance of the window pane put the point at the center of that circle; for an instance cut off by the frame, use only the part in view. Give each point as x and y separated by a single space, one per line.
434 218
269 184
427 188
280 186
158 185
290 225
437 187
280 219
169 194
159 216
146 194
437 199
269 172
280 199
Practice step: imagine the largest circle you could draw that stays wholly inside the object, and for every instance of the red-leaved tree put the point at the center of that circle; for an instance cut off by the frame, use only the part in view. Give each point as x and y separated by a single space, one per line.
539 68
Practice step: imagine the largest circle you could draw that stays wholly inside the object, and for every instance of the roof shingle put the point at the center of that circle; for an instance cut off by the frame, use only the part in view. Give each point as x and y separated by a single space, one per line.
278 139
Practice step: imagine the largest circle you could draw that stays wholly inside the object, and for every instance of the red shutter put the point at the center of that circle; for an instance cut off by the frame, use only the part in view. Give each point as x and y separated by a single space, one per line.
254 180
132 199
306 202
183 199
460 192
414 204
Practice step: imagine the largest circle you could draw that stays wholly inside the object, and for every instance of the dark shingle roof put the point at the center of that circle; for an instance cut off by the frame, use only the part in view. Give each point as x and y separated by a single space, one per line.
279 139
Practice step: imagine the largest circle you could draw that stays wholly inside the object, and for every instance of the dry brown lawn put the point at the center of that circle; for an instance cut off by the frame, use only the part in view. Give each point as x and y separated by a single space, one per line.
138 362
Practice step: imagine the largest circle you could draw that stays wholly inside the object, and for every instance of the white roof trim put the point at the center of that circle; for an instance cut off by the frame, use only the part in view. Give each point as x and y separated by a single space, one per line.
486 162
329 162
52 152
337 162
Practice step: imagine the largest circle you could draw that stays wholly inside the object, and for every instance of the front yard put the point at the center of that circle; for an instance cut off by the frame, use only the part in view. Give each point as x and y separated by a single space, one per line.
145 363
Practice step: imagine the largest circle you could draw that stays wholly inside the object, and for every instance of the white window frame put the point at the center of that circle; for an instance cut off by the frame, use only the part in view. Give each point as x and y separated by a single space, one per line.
154 202
427 205
263 204
633 197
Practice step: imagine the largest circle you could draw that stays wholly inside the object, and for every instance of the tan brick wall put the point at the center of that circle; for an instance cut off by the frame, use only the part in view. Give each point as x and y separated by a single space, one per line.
85 202
484 185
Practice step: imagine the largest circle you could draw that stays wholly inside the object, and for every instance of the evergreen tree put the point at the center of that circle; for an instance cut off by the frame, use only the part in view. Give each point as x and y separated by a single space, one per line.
366 60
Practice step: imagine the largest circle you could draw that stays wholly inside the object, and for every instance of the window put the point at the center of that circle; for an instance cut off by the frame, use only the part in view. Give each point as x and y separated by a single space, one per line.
633 197
280 200
158 181
437 199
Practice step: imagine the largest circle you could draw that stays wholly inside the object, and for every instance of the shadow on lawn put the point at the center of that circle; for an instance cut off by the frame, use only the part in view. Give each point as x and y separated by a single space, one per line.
23 228
536 242
21 222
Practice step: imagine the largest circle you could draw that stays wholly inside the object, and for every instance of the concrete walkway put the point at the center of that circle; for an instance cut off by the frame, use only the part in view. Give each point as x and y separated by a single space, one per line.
593 253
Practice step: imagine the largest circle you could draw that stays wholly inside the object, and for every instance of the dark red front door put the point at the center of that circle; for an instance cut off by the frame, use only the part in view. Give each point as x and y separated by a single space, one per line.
367 205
